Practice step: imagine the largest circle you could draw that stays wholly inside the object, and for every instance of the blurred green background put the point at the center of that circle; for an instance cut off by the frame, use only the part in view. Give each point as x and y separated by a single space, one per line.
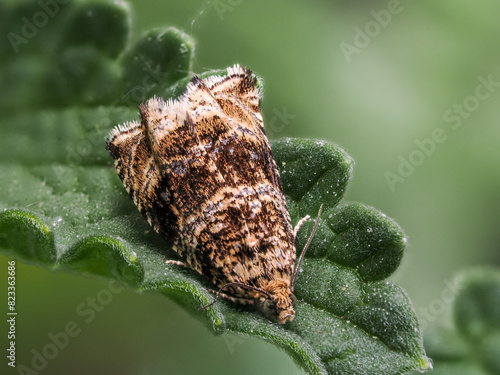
376 77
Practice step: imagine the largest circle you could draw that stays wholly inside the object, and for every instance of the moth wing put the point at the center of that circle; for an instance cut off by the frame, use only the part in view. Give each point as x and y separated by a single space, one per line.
232 130
186 164
239 83
139 173
238 97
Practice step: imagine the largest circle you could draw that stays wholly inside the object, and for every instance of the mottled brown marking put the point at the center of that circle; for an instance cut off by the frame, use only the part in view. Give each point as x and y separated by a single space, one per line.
200 169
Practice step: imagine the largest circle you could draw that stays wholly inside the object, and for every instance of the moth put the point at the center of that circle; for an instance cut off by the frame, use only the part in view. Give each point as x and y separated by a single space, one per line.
201 171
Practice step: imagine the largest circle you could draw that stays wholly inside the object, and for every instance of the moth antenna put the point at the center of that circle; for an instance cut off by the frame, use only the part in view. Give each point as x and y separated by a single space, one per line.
235 284
305 248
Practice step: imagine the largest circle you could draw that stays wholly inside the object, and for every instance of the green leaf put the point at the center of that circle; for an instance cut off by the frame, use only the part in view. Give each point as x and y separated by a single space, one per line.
472 345
64 207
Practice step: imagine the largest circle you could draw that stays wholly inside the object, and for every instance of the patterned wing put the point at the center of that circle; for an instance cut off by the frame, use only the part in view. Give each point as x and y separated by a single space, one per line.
137 169
211 148
238 98
253 172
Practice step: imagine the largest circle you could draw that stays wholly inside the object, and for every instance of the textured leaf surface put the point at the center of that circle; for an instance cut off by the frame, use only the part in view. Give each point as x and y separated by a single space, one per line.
63 206
472 345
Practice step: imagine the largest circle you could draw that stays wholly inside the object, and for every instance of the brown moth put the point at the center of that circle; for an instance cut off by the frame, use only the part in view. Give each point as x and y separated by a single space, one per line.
200 169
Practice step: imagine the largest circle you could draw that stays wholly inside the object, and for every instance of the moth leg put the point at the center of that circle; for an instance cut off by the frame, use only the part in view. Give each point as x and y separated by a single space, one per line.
240 300
236 299
299 224
243 301
176 262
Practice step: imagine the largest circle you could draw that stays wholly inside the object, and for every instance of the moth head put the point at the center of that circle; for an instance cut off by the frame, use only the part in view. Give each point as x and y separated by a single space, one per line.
276 301
279 302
